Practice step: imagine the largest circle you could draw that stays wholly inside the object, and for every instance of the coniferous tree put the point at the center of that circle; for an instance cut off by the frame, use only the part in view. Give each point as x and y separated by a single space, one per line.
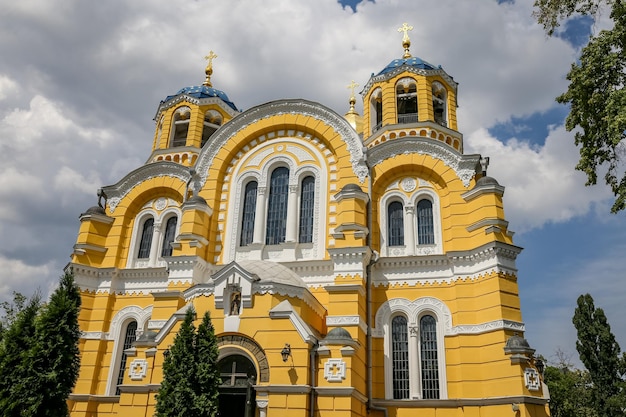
177 395
54 357
19 336
208 373
600 353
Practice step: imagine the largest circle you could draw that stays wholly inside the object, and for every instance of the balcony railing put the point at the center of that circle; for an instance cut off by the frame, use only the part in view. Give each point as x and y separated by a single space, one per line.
407 118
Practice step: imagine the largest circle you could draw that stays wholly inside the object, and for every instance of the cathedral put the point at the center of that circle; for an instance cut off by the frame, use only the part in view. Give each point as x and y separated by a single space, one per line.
352 265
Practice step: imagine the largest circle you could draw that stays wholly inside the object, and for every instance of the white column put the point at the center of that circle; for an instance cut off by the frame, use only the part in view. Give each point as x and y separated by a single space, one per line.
292 214
154 248
414 364
409 229
262 406
259 216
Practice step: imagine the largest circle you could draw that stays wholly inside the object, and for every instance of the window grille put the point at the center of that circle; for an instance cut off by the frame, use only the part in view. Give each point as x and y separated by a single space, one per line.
429 359
277 207
400 357
170 233
307 209
249 208
146 239
425 227
131 336
395 224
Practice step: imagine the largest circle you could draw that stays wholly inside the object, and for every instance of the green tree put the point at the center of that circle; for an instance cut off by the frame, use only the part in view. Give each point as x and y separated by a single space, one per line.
208 373
19 336
595 94
600 353
177 395
11 309
54 359
569 391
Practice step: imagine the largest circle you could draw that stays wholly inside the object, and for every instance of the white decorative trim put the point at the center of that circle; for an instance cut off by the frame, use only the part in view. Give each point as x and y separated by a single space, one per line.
276 108
93 335
463 165
138 369
335 370
413 70
140 315
411 309
531 379
285 310
343 321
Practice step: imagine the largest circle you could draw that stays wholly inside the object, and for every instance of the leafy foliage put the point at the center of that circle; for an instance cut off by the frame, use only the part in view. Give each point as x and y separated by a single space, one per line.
600 353
596 92
11 309
190 375
569 393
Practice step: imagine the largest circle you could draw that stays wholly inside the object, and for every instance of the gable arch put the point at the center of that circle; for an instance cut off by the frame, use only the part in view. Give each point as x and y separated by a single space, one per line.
284 107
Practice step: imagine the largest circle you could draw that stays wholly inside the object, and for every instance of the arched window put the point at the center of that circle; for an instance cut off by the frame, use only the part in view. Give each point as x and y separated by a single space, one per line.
439 103
400 357
180 127
249 209
168 237
425 227
307 210
376 110
146 239
395 224
129 338
212 121
277 207
406 100
429 361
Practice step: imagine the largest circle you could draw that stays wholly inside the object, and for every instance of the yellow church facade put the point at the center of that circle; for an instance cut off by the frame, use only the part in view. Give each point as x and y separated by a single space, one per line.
352 265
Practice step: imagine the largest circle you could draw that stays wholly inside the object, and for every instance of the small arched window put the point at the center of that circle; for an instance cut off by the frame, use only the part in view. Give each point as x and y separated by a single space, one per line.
406 100
146 239
400 357
212 121
425 226
180 127
277 206
129 337
376 110
307 210
168 237
395 224
249 209
429 361
440 103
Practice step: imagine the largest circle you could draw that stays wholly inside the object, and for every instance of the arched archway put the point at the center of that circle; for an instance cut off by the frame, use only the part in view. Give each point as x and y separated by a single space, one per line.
238 375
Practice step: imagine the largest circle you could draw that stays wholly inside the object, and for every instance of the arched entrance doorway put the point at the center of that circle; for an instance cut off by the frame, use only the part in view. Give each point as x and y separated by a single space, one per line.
238 375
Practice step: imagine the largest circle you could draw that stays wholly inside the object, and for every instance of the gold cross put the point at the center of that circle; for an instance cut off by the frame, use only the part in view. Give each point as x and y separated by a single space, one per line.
209 68
352 86
210 57
405 28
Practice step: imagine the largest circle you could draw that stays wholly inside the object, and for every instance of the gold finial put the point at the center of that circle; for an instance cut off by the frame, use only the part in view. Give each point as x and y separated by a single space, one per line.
406 42
352 86
209 68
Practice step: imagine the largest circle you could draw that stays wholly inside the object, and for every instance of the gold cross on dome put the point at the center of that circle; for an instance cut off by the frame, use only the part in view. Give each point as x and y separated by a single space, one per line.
209 68
352 86
406 42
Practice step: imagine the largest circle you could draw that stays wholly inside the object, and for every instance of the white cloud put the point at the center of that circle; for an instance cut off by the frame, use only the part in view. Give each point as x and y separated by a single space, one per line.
21 277
7 87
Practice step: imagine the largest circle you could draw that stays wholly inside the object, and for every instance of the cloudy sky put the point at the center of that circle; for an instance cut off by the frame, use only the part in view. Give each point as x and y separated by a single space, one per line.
80 83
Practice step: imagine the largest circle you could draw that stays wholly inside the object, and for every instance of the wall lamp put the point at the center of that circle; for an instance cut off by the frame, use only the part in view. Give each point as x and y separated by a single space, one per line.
540 366
286 352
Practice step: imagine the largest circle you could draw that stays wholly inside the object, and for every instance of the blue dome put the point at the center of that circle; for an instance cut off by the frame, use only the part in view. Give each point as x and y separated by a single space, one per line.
411 62
202 91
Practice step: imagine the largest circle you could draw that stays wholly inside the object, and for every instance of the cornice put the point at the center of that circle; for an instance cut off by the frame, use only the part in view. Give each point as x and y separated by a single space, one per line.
462 402
280 107
463 165
174 101
407 68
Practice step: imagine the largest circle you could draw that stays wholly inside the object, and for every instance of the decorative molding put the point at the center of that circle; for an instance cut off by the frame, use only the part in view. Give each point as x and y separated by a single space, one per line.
285 310
463 165
408 68
335 370
137 313
479 190
277 108
461 402
115 193
531 379
487 222
251 346
93 335
343 321
138 369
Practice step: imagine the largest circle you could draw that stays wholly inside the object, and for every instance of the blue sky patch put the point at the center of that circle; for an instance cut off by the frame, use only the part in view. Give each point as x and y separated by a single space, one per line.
576 31
533 128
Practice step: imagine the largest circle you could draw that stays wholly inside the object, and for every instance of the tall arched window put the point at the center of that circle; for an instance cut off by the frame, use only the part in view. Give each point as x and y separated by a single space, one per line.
168 237
395 224
425 226
212 122
400 357
406 100
277 207
249 209
129 338
439 103
376 110
180 127
307 210
146 239
429 361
